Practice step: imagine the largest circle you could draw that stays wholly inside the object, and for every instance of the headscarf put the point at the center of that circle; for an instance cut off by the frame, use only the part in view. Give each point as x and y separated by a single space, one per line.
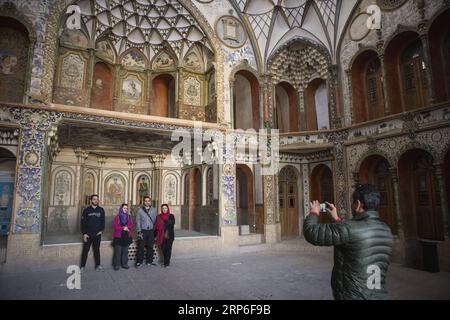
160 219
123 217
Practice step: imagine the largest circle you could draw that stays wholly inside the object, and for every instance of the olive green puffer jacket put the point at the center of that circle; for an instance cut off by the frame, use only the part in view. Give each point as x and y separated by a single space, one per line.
359 244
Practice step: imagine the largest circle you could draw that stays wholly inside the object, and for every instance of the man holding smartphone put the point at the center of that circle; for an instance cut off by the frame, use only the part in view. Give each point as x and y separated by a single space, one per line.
362 245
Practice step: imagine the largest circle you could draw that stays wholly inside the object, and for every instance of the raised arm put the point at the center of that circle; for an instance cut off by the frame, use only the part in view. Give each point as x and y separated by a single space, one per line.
326 234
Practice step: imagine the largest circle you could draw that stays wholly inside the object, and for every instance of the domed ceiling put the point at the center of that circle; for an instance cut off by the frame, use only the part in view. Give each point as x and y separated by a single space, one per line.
276 22
148 25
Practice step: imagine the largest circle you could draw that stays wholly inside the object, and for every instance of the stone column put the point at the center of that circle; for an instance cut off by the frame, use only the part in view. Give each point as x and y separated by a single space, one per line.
302 114
439 173
333 97
232 81
387 107
116 87
398 216
30 176
158 161
229 230
272 226
350 95
305 186
131 163
338 138
192 197
266 102
81 155
90 75
423 34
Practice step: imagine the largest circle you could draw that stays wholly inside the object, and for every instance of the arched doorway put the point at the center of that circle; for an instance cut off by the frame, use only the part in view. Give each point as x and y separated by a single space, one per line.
447 181
286 102
406 72
102 86
163 103
414 79
317 117
195 198
375 170
288 201
421 211
246 101
439 41
245 198
367 87
322 188
7 180
14 49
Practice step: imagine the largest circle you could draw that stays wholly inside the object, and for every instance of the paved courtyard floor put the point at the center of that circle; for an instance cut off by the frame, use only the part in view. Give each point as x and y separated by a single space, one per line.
262 275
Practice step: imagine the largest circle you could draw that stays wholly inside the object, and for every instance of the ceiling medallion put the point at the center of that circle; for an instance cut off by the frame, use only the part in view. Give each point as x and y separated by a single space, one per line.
388 5
231 32
358 28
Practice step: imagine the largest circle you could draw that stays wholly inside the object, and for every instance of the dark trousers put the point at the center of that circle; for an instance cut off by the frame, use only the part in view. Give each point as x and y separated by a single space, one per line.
147 240
95 242
120 256
166 249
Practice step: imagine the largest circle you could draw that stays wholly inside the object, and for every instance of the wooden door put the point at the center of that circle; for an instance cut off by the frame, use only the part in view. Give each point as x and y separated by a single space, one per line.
288 198
374 90
426 199
415 84
446 59
383 181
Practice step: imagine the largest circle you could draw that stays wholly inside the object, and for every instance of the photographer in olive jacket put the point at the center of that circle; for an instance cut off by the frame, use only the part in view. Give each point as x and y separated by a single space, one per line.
362 246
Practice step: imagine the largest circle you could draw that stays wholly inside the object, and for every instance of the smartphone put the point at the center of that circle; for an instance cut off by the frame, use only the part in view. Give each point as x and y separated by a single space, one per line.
323 207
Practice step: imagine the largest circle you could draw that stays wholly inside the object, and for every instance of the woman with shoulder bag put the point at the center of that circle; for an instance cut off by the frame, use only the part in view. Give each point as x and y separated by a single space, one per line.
123 225
165 223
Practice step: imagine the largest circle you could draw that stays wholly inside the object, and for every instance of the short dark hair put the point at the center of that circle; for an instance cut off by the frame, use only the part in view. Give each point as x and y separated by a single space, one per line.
124 204
369 196
147 197
92 196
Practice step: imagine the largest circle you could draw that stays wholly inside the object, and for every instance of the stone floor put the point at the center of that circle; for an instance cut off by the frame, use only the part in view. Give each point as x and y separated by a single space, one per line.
260 275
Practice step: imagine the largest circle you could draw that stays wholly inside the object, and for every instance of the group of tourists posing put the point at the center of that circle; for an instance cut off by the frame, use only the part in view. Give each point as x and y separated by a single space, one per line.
150 226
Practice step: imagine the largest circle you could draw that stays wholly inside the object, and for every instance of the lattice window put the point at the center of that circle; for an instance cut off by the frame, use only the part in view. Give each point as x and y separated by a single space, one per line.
261 24
327 9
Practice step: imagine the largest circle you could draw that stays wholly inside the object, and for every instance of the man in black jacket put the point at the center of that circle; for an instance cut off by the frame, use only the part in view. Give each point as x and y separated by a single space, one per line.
92 226
362 246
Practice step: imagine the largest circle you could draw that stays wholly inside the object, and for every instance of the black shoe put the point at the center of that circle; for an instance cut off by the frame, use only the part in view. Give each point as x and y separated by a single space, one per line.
138 264
126 267
116 268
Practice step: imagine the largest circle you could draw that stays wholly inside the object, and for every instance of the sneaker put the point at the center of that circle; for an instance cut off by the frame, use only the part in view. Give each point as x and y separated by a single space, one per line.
151 264
99 268
138 265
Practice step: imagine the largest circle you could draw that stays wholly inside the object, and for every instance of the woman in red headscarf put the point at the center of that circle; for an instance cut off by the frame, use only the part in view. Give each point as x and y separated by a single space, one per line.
165 223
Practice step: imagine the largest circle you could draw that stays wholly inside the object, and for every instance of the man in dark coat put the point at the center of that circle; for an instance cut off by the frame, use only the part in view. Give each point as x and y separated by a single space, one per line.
92 227
362 246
